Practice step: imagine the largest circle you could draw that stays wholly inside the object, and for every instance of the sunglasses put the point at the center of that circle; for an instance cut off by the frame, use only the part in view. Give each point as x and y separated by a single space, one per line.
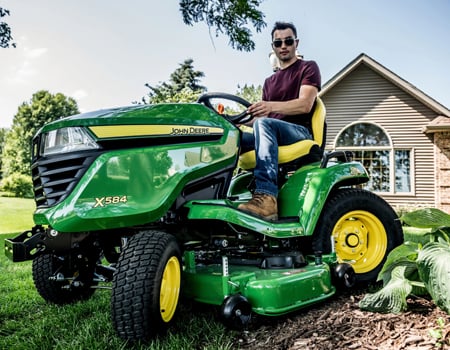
287 41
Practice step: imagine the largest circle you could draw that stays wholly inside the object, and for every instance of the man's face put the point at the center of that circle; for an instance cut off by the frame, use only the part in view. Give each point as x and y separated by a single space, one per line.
284 48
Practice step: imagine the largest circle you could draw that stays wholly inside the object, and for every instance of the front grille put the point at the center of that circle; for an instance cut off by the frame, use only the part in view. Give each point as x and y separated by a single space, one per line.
55 177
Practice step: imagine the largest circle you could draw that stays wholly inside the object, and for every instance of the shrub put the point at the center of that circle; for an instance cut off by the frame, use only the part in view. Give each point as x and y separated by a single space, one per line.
19 185
416 268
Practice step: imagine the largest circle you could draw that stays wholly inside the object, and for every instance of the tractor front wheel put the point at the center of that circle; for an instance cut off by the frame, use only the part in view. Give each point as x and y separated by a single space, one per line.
363 229
59 281
146 285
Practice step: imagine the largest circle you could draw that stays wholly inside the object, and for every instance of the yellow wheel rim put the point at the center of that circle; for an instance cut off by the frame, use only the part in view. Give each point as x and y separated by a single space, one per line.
361 240
170 289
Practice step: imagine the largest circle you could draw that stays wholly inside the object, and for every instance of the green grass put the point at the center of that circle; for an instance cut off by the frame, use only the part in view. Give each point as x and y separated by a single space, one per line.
16 214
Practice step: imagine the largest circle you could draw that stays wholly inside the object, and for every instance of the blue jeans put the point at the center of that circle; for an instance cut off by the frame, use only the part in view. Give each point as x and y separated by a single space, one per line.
268 134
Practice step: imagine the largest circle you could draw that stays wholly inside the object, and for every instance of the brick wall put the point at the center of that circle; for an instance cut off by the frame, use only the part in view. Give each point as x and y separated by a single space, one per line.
442 143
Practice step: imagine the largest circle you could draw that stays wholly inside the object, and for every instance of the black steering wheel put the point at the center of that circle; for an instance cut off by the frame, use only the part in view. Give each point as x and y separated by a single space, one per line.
240 118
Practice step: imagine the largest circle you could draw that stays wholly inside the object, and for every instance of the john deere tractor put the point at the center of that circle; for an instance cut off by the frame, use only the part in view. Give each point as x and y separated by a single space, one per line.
144 199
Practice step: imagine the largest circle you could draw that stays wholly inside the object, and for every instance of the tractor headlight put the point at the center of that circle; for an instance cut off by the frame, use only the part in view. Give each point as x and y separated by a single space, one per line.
70 139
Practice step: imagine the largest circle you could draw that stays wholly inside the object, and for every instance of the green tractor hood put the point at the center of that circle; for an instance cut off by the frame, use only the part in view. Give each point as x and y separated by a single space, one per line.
127 166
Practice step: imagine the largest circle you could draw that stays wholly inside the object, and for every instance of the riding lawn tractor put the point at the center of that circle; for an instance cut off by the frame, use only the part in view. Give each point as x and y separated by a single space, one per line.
144 199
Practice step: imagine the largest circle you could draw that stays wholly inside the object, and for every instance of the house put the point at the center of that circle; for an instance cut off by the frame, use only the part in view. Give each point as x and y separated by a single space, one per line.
401 135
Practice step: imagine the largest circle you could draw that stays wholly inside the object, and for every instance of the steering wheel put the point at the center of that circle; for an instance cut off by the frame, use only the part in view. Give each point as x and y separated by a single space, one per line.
240 118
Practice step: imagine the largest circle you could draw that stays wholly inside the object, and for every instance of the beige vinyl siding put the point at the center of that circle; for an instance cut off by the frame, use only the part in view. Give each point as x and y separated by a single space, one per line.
366 96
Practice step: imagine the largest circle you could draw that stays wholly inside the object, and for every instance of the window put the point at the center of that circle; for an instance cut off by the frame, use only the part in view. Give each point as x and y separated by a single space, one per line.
389 169
402 171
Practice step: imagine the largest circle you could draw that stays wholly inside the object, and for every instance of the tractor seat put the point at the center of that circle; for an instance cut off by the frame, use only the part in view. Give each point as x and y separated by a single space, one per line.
307 150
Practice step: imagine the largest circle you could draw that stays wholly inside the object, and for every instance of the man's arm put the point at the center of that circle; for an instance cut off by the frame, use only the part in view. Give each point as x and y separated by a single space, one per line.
301 105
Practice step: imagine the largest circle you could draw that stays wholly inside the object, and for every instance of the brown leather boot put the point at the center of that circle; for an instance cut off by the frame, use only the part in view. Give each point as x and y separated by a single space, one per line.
263 205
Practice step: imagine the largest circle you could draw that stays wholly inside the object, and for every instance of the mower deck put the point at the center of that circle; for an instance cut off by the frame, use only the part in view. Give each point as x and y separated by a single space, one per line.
270 292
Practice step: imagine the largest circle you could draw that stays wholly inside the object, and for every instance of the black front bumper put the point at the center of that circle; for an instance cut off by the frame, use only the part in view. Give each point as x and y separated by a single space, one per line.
26 245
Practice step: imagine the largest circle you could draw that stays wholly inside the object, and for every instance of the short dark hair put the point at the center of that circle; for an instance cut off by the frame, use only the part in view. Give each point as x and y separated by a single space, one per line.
282 26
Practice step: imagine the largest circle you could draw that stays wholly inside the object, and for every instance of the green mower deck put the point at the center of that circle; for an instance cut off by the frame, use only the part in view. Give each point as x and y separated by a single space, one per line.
270 292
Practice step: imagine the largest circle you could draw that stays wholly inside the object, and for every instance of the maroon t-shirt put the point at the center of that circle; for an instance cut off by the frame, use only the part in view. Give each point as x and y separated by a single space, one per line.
285 84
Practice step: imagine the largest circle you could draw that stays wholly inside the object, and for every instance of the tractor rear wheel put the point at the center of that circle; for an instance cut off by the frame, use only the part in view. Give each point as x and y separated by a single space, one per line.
146 285
362 227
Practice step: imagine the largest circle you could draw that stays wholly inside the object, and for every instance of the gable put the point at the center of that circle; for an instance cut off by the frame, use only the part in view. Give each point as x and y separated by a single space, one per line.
365 95
388 75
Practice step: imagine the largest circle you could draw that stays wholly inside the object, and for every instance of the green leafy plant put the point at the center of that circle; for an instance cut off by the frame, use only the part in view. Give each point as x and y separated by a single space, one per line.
439 333
416 268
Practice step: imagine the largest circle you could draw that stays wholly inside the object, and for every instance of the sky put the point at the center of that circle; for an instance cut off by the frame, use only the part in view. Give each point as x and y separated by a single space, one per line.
103 52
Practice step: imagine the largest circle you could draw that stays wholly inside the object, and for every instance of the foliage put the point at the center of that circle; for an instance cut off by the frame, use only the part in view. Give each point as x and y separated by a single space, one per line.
3 132
250 93
183 86
185 95
416 268
19 185
43 108
434 271
393 295
6 40
439 334
14 154
229 17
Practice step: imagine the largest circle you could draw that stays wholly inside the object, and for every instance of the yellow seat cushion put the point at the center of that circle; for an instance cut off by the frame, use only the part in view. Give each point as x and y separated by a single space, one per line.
288 153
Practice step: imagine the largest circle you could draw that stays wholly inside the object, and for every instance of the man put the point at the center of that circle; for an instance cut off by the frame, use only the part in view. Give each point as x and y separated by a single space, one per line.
282 117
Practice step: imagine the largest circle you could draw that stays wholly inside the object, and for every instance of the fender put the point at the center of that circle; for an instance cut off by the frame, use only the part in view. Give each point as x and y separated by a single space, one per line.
316 183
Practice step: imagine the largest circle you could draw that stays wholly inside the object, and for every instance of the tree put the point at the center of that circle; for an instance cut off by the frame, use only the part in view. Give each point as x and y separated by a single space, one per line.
229 17
183 86
43 108
3 132
250 93
6 39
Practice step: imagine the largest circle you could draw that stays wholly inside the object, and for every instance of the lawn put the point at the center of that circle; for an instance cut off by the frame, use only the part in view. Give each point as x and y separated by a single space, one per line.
16 214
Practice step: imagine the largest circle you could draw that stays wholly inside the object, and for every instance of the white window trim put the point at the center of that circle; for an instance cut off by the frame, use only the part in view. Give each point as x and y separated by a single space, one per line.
391 150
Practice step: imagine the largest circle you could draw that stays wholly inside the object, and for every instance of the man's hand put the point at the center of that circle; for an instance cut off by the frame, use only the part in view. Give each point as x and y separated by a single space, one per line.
260 109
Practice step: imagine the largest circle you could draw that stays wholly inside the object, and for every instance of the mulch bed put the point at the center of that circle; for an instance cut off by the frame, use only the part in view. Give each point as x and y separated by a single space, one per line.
340 324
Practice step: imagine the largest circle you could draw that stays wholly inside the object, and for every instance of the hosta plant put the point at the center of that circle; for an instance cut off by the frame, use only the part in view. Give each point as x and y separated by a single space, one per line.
416 268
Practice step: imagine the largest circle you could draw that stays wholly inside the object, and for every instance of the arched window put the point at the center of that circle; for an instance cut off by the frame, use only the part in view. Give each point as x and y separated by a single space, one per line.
363 135
389 168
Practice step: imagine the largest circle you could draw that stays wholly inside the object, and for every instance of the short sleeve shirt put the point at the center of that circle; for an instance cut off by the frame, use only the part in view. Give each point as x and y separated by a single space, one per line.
284 85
